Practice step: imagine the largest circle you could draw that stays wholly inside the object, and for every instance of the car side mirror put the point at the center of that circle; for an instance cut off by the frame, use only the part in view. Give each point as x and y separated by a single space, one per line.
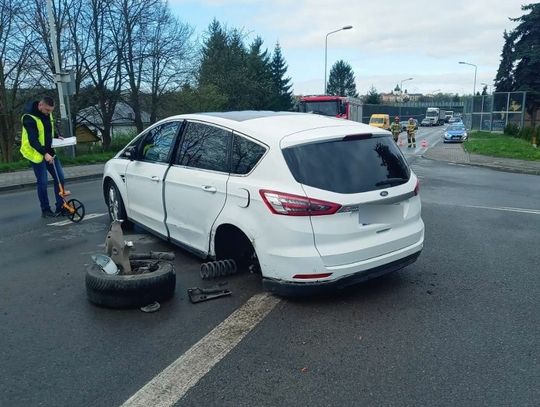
130 152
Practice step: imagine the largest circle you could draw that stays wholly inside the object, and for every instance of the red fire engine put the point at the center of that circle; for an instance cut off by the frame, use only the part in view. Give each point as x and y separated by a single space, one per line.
335 106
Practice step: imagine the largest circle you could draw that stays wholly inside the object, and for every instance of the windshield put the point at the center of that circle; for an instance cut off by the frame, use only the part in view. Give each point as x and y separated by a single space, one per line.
456 128
351 165
432 114
376 120
326 108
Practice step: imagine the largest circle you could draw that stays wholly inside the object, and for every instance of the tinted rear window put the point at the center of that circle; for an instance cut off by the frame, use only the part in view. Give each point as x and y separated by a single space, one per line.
348 166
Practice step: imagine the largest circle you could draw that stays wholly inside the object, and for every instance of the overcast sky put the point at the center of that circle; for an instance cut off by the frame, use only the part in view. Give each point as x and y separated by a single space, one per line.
391 40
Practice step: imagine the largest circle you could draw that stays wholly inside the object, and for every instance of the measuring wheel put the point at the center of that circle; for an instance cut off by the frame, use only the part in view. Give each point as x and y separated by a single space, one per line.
75 210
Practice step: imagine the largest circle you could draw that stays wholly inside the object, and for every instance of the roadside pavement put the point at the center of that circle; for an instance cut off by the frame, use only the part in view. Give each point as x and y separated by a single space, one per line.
25 178
453 153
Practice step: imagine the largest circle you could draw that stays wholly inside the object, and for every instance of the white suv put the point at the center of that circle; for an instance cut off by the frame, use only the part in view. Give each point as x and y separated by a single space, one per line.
312 201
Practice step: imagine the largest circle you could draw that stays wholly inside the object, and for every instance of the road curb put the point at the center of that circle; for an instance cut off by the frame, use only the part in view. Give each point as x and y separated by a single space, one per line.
28 185
502 168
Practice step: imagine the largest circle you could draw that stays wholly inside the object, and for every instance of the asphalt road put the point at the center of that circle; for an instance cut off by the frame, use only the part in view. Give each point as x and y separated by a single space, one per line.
458 327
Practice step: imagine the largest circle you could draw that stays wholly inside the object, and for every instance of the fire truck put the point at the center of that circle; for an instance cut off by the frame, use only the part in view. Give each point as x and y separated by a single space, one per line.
343 107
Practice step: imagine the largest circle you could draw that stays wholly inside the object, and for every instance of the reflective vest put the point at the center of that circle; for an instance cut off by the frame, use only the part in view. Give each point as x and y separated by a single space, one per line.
29 152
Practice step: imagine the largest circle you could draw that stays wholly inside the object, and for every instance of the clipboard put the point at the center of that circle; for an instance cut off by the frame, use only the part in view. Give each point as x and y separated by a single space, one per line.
69 141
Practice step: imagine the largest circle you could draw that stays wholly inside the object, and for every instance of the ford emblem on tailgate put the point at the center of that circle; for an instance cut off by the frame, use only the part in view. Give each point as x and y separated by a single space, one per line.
384 193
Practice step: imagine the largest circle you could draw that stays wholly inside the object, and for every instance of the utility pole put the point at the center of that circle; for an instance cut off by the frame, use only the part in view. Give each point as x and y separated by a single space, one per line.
59 77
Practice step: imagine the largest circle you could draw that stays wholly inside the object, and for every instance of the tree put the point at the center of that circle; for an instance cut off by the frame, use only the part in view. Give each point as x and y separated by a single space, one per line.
171 59
157 54
504 80
224 65
259 77
527 56
520 58
484 90
373 97
17 70
341 81
281 89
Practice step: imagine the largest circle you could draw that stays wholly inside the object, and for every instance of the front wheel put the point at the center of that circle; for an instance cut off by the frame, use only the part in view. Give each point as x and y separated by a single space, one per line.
115 205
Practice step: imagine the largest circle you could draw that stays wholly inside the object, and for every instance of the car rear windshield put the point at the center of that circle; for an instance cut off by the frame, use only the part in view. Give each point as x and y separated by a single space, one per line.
350 165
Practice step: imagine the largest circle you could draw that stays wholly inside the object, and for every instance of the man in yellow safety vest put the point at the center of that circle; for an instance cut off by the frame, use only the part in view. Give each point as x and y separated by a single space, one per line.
36 146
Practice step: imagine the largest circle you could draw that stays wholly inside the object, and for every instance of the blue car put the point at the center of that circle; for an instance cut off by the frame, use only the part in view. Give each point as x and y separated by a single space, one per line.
455 133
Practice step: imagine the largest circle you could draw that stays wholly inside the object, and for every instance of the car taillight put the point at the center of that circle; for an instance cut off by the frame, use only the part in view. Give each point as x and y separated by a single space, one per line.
417 188
295 205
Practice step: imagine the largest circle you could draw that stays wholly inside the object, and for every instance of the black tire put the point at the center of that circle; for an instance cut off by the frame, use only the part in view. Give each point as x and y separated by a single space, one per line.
130 291
115 205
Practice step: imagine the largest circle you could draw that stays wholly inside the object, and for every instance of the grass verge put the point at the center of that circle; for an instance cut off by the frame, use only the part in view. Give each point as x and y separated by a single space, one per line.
83 159
501 145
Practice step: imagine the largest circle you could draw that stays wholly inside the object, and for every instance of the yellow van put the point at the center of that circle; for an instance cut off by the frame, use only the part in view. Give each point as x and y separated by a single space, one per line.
380 120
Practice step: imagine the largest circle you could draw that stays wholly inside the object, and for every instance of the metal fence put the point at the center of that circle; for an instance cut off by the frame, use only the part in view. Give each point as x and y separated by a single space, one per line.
494 112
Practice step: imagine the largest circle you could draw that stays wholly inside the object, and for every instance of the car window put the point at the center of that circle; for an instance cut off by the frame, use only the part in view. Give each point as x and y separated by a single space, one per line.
245 155
206 147
351 165
157 143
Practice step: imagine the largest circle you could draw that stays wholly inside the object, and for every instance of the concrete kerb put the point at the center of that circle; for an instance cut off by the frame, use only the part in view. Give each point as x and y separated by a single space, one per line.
30 185
10 181
460 156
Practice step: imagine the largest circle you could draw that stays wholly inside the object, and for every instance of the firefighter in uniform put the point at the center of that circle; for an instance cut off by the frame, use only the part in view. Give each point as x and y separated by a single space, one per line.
395 128
411 133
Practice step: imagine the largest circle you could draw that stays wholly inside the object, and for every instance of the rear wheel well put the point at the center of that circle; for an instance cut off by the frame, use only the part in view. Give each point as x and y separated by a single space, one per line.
231 243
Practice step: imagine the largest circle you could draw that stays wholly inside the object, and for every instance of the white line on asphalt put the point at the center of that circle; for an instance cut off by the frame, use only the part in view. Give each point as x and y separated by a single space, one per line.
507 209
68 222
171 384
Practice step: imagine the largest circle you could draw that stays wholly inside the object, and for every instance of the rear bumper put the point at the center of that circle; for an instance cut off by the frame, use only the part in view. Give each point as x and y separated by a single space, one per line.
290 289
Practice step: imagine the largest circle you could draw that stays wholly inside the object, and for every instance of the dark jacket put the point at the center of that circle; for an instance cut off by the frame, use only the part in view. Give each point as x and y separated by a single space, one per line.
31 128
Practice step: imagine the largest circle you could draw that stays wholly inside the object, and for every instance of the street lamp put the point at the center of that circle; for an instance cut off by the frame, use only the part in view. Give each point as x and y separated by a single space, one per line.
475 69
347 27
401 85
401 90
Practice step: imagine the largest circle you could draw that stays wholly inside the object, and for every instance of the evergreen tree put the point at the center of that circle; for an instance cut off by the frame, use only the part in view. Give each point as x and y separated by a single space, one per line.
213 69
504 80
341 80
527 56
281 88
259 77
373 97
484 90
224 66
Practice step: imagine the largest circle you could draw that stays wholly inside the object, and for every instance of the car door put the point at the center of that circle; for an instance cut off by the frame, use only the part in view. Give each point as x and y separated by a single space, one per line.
145 175
196 185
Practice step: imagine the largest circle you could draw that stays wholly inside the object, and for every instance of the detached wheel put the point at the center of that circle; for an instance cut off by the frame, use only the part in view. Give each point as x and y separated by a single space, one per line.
115 205
130 291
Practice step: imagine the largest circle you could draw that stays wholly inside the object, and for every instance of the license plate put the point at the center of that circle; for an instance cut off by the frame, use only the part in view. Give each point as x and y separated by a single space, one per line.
385 214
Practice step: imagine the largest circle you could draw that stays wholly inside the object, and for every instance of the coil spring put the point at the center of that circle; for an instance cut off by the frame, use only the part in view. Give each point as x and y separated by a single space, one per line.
218 268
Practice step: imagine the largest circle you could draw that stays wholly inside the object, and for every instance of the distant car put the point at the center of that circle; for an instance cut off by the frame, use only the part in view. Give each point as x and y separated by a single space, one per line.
426 122
455 133
454 120
405 123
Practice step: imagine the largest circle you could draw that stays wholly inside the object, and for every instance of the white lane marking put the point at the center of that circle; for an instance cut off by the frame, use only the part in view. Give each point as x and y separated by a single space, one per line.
504 208
172 384
68 222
